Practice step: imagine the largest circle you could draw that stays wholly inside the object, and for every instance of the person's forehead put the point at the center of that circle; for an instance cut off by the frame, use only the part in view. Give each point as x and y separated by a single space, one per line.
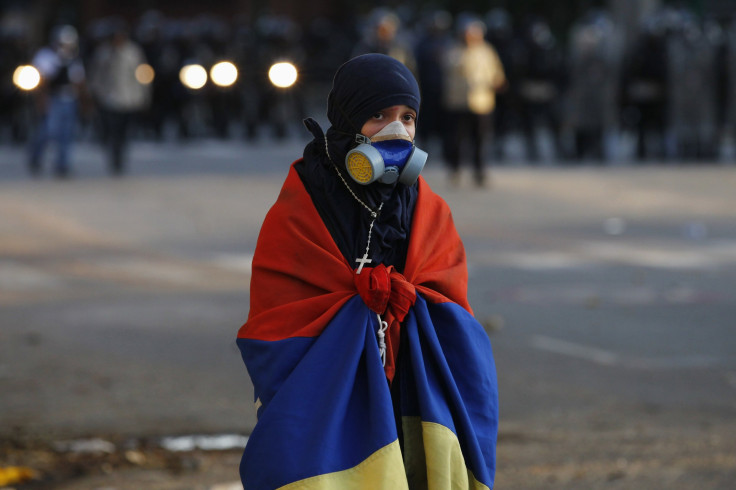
394 108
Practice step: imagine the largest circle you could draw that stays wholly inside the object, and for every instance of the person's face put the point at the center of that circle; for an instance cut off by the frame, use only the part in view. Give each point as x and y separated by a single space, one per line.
406 115
474 35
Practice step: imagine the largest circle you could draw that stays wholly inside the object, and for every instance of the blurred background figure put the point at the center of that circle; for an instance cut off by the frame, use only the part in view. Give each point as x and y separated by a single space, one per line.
472 75
220 99
328 43
431 47
730 85
192 103
501 33
250 82
62 81
578 79
15 107
540 77
149 33
276 39
161 40
120 83
383 35
644 88
595 53
691 55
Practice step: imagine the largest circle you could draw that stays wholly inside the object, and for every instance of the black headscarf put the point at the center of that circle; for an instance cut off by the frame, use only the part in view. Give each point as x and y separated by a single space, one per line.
361 87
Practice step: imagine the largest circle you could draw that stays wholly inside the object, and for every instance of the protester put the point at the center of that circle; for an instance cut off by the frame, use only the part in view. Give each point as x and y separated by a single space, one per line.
501 34
691 65
120 95
368 367
473 75
540 74
730 86
644 90
591 111
429 52
384 34
62 79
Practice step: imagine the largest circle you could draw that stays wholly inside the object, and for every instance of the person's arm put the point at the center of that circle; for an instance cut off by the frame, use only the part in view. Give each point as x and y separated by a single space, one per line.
500 82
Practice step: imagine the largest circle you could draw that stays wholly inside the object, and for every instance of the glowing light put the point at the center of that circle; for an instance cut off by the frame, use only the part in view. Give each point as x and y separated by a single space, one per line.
193 76
283 74
144 74
26 77
224 74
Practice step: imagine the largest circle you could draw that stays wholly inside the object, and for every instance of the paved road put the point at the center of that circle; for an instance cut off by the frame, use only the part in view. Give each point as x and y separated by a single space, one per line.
610 294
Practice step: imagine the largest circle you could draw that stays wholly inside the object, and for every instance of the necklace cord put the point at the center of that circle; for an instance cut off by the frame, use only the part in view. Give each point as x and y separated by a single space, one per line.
374 213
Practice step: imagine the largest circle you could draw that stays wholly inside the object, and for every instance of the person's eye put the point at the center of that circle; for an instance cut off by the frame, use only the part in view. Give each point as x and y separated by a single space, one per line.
377 116
409 117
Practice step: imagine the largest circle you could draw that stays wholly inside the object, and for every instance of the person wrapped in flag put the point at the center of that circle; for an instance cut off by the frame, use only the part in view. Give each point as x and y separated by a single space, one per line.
369 369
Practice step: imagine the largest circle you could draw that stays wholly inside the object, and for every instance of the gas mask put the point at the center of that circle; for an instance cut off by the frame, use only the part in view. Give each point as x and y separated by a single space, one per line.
388 156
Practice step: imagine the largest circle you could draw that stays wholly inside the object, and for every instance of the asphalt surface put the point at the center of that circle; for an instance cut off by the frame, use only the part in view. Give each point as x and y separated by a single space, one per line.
609 293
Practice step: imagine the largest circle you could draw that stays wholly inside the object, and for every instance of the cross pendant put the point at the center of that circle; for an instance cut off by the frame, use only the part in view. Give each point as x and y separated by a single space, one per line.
364 260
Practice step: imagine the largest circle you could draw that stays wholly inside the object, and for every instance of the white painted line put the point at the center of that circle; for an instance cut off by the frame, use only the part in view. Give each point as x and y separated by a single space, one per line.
228 486
237 262
206 443
19 277
571 349
148 269
693 361
588 254
607 358
647 255
541 261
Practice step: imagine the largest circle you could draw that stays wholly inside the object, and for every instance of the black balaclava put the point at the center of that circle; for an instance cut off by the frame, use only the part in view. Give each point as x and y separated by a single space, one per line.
361 87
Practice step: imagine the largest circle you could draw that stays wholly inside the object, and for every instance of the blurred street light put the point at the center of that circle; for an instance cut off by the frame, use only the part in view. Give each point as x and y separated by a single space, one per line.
282 74
193 76
144 74
26 77
224 74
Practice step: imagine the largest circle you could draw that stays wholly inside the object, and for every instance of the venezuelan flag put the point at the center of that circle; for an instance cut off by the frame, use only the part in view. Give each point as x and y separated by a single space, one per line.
326 415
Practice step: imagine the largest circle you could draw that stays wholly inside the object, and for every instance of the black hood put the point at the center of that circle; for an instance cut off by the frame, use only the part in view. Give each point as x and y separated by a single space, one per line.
361 87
